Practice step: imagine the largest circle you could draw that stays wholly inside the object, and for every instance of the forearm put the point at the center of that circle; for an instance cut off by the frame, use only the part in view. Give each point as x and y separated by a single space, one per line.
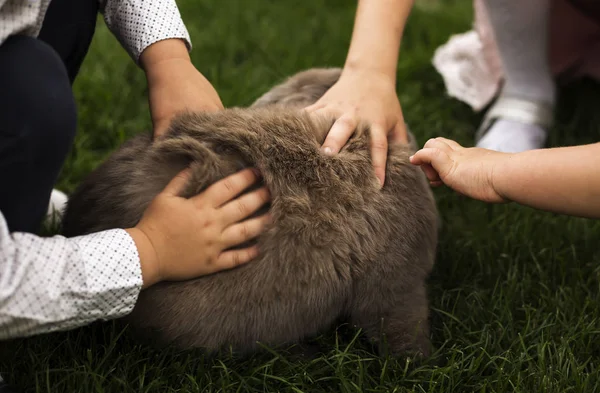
51 284
378 29
174 84
562 180
161 51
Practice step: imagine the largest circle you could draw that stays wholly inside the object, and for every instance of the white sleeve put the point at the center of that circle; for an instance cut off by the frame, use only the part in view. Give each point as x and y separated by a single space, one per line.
21 17
56 283
139 23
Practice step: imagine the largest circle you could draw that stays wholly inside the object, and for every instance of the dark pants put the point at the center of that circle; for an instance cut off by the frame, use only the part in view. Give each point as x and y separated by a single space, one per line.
38 116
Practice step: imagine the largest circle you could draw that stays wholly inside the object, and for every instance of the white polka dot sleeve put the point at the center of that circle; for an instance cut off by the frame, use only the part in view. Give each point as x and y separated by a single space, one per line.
55 283
139 23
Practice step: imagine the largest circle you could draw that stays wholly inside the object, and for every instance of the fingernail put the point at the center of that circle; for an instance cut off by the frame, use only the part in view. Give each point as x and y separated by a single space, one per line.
411 157
256 172
327 150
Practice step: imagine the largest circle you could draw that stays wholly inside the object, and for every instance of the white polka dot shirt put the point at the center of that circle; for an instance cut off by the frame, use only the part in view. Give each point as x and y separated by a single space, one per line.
135 23
57 283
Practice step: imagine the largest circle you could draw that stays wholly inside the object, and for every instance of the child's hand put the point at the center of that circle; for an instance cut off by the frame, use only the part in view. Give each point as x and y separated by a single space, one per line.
365 96
469 171
180 239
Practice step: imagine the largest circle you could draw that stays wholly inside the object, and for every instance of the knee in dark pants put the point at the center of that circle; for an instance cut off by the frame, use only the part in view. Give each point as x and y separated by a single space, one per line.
38 121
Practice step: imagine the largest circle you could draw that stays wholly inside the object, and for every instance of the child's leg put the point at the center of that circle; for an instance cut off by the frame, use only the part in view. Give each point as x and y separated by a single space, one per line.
38 113
37 126
521 33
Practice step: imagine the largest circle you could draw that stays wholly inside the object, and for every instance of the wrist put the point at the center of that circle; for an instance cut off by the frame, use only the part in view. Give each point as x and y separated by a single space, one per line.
147 255
358 66
163 61
500 178
164 51
376 37
366 71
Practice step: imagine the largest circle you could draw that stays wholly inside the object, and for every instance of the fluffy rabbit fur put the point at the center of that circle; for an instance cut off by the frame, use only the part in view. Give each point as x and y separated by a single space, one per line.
338 247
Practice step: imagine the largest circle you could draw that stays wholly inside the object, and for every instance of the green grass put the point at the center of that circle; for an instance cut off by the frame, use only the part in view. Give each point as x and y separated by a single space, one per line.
515 294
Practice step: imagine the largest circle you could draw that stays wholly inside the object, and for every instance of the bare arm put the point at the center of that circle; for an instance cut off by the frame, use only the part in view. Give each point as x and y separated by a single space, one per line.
563 180
156 38
366 90
174 84
378 29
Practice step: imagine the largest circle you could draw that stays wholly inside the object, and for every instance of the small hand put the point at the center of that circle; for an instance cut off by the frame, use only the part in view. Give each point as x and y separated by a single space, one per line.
179 238
363 96
469 171
174 84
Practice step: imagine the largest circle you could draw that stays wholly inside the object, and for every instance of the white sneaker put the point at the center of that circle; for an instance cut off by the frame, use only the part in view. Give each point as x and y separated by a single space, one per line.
534 118
58 201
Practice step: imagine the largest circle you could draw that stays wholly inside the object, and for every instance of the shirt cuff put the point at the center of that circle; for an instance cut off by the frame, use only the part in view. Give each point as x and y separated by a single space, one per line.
138 24
52 284
113 273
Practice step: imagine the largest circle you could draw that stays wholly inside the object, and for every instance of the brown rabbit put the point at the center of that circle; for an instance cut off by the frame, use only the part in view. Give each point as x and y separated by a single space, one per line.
338 247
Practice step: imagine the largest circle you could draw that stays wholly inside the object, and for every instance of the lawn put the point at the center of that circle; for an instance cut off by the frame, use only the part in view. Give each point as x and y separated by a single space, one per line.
515 294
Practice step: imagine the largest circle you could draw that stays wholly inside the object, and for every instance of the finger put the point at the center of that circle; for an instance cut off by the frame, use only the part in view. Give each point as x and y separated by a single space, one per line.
244 231
233 258
244 206
431 173
314 107
339 134
379 150
228 188
176 185
453 145
436 143
399 133
436 183
436 158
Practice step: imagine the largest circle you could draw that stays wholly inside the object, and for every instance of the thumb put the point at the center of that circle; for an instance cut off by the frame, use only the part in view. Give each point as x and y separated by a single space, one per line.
160 128
176 185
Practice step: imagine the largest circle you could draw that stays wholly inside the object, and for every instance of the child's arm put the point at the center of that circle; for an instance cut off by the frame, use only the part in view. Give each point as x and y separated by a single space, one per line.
376 37
155 37
366 90
58 283
562 180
